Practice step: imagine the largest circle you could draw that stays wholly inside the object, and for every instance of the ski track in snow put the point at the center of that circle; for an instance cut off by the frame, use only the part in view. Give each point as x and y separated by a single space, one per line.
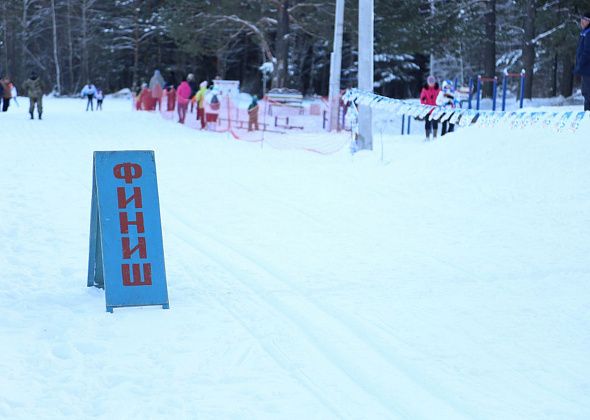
450 282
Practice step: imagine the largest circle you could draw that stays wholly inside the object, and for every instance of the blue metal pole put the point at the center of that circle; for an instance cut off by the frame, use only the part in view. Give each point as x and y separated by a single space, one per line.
522 77
403 123
470 91
504 89
409 120
478 92
495 93
456 83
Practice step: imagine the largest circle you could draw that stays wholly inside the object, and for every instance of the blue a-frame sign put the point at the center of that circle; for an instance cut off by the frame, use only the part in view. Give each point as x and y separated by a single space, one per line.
126 255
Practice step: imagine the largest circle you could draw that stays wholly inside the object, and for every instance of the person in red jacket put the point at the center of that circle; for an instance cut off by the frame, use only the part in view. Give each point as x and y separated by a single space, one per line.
183 95
428 96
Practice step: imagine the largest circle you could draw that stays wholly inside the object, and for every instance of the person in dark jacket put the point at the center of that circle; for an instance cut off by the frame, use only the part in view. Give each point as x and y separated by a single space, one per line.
33 88
428 96
582 67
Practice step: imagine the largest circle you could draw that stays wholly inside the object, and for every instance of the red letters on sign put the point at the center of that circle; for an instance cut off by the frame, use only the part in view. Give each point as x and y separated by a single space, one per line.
135 197
136 281
128 172
125 222
128 252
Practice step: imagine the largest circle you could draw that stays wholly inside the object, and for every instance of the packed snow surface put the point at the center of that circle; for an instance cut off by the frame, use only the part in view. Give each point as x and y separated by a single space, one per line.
448 280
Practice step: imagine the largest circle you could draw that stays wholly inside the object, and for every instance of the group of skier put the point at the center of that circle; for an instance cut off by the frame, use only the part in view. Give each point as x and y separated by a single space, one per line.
91 92
445 97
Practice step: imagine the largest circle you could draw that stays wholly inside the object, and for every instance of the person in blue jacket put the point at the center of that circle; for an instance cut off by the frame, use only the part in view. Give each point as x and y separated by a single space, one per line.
582 67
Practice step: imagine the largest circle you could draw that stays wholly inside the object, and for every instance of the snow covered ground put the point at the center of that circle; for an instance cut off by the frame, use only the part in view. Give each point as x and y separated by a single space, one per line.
451 280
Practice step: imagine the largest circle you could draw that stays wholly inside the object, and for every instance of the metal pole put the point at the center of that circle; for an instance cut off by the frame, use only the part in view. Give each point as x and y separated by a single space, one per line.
403 123
336 66
365 70
470 92
478 92
522 77
495 93
409 120
504 89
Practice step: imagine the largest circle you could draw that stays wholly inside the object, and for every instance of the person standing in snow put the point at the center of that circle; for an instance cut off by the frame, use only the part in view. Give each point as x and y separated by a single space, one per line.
33 88
89 91
14 95
194 88
157 84
183 95
170 97
99 99
253 114
582 67
6 93
200 99
428 96
446 99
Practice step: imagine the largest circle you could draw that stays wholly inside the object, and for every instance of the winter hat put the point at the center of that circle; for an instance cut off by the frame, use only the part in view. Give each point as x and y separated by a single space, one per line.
203 84
586 15
431 80
446 84
190 77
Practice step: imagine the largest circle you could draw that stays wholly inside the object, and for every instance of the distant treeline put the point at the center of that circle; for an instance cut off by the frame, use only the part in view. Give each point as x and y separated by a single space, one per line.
118 43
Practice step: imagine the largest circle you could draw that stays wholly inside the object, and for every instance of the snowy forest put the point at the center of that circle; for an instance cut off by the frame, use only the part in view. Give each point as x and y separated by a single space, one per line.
118 43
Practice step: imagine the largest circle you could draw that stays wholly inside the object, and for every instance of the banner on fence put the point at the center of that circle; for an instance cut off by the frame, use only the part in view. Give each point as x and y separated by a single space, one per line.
558 121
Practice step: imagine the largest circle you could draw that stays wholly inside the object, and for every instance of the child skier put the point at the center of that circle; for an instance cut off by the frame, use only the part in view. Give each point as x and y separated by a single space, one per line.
428 96
446 99
99 99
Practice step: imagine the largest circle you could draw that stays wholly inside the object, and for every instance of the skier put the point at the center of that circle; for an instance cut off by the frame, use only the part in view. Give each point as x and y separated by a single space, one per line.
200 99
7 93
89 91
99 99
428 96
446 99
582 67
157 84
14 95
33 88
183 95
170 97
253 114
194 88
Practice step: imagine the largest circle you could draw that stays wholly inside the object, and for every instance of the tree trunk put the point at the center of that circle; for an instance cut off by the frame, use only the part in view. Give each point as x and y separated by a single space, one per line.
282 46
24 37
71 87
55 56
489 60
567 76
84 43
554 75
5 65
528 48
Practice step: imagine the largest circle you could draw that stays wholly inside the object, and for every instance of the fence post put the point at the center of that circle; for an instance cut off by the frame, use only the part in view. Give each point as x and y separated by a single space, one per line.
504 89
495 93
470 91
522 77
403 123
478 92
